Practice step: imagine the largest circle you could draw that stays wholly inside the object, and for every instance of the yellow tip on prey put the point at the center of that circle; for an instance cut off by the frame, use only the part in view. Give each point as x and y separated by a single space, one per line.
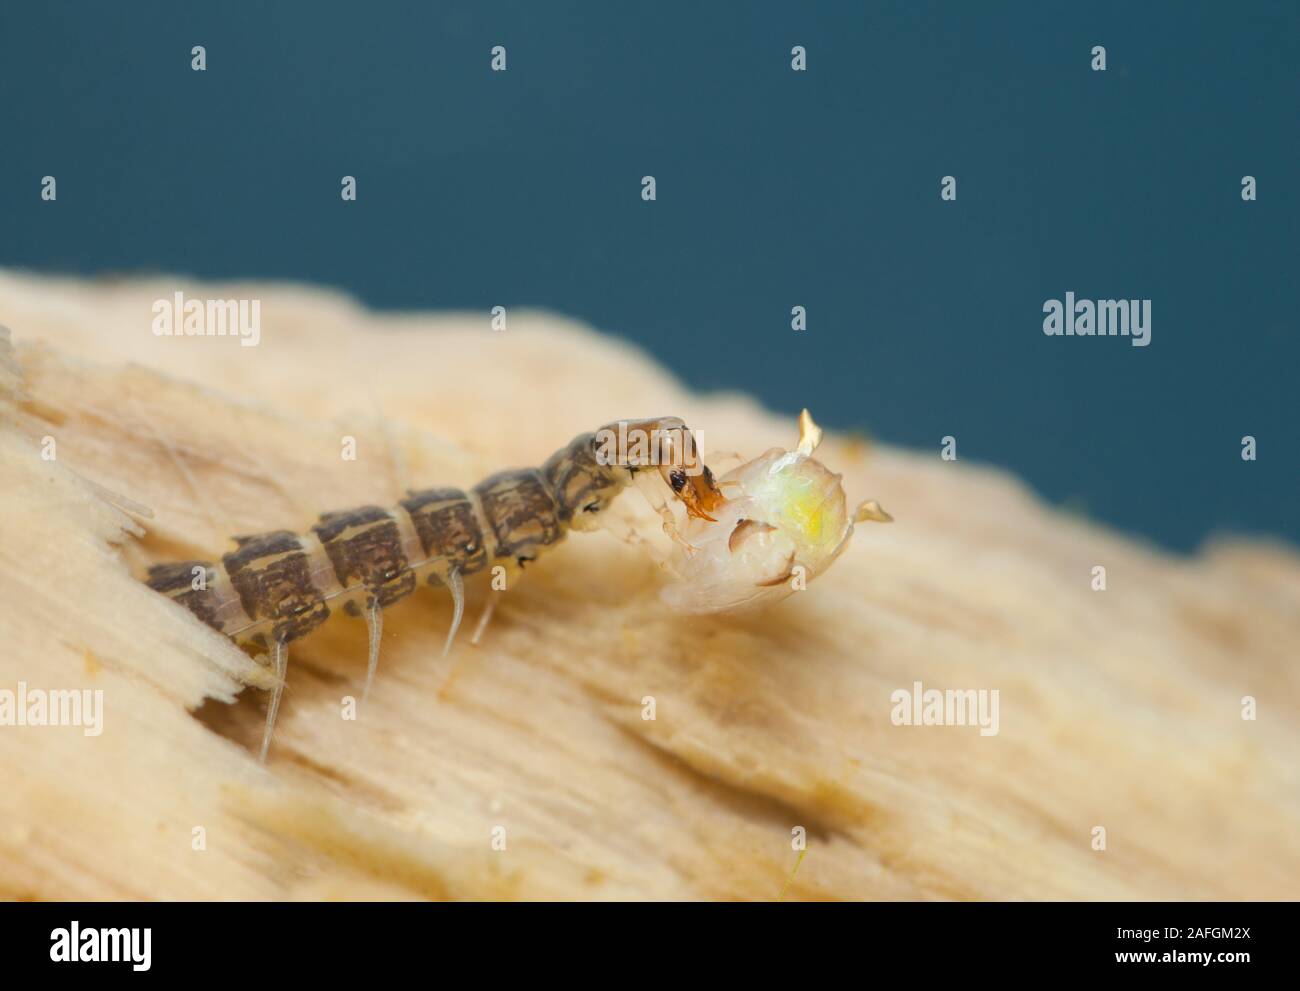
810 435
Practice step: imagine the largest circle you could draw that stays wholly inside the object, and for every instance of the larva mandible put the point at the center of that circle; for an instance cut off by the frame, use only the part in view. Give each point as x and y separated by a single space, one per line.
784 522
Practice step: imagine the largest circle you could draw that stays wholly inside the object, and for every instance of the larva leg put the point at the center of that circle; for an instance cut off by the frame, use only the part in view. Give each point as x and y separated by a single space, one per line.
375 628
457 589
648 488
484 619
627 533
280 657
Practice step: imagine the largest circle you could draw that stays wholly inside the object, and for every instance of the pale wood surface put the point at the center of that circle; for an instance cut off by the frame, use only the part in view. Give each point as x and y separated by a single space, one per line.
1119 708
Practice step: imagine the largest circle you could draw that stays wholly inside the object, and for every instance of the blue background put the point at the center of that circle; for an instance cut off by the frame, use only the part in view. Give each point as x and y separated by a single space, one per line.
775 188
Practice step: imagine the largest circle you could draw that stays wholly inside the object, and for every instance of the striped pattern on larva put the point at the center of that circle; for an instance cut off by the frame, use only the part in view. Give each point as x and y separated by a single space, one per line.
277 587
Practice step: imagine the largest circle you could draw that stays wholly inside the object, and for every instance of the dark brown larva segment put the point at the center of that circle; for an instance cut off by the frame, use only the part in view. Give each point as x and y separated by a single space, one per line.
365 546
444 521
177 582
577 480
272 576
260 544
521 512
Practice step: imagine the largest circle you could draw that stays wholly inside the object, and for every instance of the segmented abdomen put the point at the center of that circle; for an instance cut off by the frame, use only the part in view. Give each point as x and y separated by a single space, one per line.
282 585
279 586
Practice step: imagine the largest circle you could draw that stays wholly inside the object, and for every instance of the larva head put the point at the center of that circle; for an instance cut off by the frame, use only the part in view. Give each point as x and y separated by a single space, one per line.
783 511
667 445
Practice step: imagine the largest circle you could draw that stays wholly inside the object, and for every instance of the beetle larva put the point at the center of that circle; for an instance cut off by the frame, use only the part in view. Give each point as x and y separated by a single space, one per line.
277 587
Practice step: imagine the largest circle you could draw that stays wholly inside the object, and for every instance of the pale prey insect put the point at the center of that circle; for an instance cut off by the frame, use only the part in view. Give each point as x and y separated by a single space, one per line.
274 588
783 523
